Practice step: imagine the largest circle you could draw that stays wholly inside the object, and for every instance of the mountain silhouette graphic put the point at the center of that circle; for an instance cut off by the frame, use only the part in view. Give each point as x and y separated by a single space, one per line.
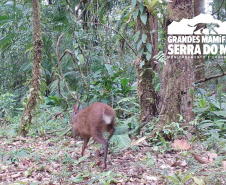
201 24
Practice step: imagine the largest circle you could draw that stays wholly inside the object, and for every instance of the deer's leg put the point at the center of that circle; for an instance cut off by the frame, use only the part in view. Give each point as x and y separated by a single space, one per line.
100 139
75 134
86 140
111 131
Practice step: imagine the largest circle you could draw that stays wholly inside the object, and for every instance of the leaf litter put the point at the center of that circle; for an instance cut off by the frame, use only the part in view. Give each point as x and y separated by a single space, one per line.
50 160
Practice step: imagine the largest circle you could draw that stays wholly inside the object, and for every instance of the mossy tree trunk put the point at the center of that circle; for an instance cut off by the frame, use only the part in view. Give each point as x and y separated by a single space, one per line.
144 66
176 98
34 91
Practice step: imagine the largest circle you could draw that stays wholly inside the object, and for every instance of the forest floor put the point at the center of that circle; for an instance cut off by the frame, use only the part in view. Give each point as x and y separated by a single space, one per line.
45 160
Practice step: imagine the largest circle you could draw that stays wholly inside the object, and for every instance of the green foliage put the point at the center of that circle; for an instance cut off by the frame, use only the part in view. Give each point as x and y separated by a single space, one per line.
175 130
211 117
14 155
104 86
180 179
121 141
7 103
45 120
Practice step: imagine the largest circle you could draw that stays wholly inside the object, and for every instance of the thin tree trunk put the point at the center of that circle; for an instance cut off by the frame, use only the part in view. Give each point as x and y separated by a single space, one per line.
34 92
198 63
144 68
176 98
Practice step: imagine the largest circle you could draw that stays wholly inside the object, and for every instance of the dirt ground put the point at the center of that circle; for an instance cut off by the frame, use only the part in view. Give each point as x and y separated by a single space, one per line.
45 160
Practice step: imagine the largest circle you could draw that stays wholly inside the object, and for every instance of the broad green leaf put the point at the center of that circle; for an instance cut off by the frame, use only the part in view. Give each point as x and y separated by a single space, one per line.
148 46
135 14
202 103
143 17
134 2
220 113
22 153
77 179
81 58
141 8
141 64
122 141
153 3
141 52
139 44
186 178
109 69
148 55
198 181
136 36
148 4
144 37
206 125
124 82
75 44
173 179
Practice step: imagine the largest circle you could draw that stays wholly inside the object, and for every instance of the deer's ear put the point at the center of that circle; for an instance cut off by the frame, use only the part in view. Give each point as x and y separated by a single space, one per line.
75 109
80 107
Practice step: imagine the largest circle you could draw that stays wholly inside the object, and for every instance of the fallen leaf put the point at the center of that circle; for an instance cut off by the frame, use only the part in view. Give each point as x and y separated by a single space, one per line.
149 177
136 142
164 166
202 159
16 175
180 163
198 181
181 144
5 158
224 165
212 155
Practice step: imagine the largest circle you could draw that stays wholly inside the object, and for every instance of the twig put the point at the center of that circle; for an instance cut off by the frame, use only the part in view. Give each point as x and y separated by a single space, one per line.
220 68
3 119
210 78
59 91
116 32
61 71
118 108
74 60
65 133
218 8
58 130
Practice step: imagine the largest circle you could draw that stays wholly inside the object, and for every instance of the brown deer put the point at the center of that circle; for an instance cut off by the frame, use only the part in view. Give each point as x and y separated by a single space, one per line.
92 122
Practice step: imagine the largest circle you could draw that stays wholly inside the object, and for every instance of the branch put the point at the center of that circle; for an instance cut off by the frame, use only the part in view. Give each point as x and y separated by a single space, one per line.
121 36
210 78
59 65
58 130
117 33
3 120
218 8
65 132
220 68
74 60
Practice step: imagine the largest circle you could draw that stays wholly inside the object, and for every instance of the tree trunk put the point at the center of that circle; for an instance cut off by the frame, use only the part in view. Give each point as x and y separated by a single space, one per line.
198 63
34 92
144 68
177 75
